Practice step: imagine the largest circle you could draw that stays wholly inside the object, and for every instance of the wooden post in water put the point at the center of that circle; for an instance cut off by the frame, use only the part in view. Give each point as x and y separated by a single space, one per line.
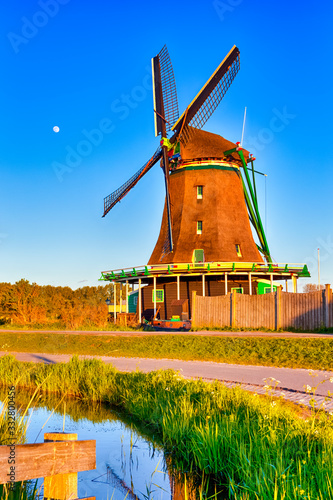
58 460
60 486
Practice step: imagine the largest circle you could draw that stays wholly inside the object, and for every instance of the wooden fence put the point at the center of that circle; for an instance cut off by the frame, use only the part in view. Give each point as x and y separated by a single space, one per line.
305 311
58 460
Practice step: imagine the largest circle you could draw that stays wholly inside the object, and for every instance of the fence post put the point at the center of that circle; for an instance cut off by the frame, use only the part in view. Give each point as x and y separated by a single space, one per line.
328 296
278 307
194 297
233 309
60 486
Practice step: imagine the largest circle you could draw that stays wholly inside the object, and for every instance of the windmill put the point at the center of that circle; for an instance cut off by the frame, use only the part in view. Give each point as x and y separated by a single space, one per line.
219 170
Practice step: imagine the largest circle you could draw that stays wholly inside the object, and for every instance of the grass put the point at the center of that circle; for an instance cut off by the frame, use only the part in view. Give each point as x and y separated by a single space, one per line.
256 448
311 353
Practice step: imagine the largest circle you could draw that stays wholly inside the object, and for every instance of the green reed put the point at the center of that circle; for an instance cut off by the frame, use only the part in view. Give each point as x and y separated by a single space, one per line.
255 447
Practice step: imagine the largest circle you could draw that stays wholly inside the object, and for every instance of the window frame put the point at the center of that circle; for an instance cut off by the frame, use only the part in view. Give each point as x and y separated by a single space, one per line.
158 300
199 226
198 262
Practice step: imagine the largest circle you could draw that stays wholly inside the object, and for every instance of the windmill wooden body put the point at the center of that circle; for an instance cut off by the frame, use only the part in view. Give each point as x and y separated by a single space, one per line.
205 243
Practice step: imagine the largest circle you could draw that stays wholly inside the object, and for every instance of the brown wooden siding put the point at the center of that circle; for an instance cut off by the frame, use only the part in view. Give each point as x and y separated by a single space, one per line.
304 311
214 286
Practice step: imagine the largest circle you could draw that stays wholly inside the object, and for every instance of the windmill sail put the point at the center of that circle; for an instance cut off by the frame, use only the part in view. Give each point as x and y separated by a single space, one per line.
209 97
113 198
165 93
166 116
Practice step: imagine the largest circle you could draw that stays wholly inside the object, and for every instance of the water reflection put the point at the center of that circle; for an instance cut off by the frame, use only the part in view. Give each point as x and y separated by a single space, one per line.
129 458
127 462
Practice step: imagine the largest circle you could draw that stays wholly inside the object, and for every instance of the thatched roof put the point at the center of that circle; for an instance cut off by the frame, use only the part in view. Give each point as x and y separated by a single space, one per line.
204 144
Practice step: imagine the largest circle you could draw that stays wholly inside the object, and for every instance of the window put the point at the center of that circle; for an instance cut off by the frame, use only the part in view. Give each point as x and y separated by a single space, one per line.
238 290
199 192
238 250
198 256
159 296
267 289
199 227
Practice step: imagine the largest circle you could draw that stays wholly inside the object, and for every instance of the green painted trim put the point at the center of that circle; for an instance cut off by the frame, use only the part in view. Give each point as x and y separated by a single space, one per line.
230 151
204 167
209 267
305 272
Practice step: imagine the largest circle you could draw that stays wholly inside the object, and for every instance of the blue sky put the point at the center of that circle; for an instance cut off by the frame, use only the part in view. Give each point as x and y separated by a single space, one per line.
72 64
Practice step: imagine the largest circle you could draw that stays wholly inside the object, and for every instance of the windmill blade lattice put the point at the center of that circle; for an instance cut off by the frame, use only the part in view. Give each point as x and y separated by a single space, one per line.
209 97
169 92
113 198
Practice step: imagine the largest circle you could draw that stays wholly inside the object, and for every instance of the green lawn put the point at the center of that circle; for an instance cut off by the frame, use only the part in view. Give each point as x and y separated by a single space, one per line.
266 351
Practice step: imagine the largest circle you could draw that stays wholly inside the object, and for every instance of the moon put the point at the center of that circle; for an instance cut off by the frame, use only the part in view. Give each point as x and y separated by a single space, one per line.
56 129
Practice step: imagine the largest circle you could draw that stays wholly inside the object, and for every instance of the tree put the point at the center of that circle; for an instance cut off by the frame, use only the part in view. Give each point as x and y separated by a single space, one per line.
312 287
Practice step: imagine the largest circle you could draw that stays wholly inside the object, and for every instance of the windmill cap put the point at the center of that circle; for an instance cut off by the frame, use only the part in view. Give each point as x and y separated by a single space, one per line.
204 144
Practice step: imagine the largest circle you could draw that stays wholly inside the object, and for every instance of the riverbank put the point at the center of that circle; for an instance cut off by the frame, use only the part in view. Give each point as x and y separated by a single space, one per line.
257 447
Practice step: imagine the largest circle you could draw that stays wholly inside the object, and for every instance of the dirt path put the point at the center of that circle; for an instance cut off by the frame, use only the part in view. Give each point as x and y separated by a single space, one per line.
203 333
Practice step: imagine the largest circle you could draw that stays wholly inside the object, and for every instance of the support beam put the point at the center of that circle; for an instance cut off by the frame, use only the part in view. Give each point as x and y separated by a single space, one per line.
120 298
250 284
114 302
154 296
178 287
140 301
126 290
203 286
286 285
272 289
294 280
226 283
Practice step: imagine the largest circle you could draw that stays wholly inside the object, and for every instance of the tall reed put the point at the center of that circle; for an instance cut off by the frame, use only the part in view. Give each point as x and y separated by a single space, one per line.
8 435
255 447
